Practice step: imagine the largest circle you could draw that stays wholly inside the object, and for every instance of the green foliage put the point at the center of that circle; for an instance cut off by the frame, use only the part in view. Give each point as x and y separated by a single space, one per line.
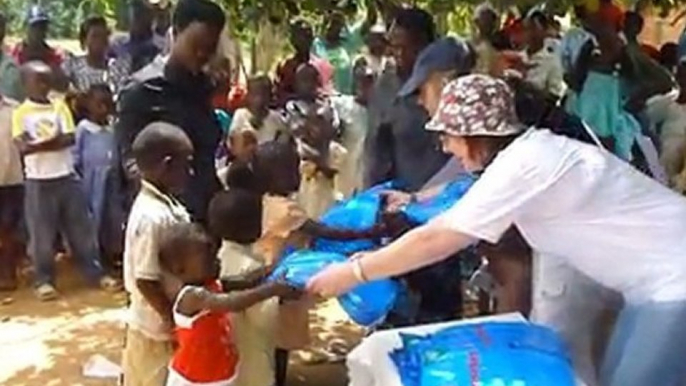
246 15
66 15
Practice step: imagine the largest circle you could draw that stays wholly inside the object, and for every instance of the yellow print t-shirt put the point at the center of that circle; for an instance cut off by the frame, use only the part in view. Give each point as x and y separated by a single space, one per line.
38 122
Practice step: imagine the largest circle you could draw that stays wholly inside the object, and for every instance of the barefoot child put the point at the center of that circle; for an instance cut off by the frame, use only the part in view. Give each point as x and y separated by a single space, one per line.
95 158
206 354
44 131
254 327
285 223
162 154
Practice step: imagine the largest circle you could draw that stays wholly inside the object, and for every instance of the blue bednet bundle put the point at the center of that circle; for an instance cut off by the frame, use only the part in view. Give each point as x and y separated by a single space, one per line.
487 354
367 304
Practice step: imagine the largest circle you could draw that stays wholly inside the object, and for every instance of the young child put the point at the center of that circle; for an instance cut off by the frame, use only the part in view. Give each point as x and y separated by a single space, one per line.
206 354
352 109
285 223
162 153
258 117
54 201
95 160
11 197
254 327
314 122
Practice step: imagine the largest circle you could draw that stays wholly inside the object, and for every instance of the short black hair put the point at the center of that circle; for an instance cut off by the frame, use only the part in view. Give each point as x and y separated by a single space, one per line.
98 88
177 236
242 176
259 80
90 22
236 215
634 17
33 67
418 22
539 18
155 142
201 11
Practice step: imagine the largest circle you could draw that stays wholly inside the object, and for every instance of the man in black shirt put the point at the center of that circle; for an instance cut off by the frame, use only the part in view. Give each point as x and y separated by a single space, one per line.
397 145
180 93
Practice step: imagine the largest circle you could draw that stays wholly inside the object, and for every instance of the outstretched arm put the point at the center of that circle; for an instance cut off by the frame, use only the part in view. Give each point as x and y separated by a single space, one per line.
199 299
318 230
419 248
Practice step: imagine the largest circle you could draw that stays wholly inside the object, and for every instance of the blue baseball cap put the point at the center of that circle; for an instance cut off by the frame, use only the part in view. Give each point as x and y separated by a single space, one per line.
37 14
442 55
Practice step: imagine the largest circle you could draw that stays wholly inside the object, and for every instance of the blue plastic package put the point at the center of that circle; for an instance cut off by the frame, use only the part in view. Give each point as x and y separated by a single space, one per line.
422 212
369 303
357 213
300 266
366 304
493 354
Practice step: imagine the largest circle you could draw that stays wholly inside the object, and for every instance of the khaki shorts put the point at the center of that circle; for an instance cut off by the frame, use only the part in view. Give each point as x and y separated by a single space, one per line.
145 361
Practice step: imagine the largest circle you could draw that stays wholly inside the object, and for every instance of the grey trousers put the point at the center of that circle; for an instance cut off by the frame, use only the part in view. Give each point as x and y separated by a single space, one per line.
54 207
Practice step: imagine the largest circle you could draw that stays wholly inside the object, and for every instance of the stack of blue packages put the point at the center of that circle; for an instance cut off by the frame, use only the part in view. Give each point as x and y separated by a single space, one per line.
488 354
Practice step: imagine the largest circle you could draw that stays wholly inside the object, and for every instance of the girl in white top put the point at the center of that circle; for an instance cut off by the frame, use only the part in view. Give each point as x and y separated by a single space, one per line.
568 199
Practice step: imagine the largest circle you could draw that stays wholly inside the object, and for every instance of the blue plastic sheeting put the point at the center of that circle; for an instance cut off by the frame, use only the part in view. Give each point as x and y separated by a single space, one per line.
422 212
366 305
488 354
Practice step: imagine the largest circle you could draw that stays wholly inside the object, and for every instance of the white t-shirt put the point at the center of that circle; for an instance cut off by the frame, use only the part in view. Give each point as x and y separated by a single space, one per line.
152 211
41 122
569 199
273 123
546 71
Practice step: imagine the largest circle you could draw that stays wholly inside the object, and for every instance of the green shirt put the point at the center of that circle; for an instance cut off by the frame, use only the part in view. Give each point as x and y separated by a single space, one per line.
342 62
10 78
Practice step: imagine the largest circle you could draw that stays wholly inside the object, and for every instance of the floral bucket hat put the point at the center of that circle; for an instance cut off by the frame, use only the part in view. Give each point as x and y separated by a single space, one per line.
476 105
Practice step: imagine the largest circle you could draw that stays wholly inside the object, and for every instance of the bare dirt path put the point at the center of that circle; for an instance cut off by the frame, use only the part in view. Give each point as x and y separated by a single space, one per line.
46 344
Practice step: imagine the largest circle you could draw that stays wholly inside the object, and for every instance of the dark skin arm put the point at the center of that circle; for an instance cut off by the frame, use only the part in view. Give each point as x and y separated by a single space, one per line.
318 230
199 299
59 142
243 282
370 20
154 293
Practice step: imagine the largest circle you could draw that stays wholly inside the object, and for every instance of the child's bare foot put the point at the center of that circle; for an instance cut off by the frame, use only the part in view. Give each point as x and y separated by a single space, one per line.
109 284
46 293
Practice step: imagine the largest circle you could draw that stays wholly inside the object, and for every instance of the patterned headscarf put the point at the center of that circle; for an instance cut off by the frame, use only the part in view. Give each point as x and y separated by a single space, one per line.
476 105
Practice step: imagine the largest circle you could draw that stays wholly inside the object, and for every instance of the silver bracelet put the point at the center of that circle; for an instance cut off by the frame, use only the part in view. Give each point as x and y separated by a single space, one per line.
358 272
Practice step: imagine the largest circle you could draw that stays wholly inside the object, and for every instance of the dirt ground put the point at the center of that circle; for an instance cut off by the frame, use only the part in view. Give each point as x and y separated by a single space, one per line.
47 344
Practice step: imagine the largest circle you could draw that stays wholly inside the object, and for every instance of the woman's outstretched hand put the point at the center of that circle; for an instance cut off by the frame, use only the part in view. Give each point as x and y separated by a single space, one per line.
334 280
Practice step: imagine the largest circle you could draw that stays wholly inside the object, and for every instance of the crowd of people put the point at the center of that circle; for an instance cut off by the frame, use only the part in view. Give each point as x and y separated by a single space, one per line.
140 154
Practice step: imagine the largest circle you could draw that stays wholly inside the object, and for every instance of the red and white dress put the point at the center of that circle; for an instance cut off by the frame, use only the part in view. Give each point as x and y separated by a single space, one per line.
207 355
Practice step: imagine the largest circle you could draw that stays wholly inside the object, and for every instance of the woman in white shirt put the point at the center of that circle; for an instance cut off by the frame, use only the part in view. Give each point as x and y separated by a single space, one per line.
569 199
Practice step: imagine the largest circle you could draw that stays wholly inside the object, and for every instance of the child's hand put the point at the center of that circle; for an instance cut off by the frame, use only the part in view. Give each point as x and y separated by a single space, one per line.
396 200
286 291
258 275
